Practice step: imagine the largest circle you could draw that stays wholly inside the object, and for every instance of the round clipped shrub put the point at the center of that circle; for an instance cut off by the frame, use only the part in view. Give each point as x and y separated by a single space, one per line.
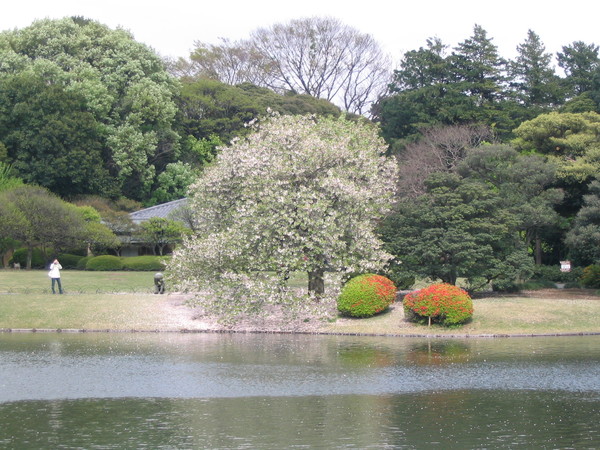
104 262
591 277
82 263
147 262
439 303
366 295
69 261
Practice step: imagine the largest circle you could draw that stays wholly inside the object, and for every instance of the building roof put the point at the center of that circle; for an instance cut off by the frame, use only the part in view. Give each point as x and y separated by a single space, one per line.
164 210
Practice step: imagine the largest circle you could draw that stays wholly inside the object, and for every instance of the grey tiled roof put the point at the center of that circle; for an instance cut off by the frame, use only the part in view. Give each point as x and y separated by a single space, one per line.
164 210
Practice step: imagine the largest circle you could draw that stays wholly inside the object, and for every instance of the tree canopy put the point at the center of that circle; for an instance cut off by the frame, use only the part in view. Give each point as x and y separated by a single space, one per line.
458 229
316 56
300 193
73 89
37 218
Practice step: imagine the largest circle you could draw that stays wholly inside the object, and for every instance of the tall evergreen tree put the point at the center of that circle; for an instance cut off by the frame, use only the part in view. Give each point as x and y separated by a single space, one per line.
536 85
580 61
479 69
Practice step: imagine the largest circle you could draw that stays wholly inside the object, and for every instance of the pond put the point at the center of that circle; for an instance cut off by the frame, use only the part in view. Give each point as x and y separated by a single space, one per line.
268 391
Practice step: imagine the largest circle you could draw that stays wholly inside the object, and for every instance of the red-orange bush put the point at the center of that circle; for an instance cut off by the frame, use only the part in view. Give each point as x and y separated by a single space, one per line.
439 303
366 295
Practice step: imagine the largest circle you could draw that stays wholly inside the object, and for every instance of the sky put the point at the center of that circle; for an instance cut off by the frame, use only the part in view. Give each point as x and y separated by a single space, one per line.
172 27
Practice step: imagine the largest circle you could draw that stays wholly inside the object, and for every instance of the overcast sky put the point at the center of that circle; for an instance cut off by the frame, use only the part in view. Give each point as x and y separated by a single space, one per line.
171 27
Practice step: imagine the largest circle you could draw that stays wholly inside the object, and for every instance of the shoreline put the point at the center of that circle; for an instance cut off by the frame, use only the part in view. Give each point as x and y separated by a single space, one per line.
313 333
545 315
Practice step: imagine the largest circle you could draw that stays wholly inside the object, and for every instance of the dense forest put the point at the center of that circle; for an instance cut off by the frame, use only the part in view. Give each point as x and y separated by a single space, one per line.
505 153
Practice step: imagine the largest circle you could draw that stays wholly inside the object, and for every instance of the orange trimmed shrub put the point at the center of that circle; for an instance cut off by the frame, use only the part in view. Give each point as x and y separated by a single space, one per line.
439 303
366 295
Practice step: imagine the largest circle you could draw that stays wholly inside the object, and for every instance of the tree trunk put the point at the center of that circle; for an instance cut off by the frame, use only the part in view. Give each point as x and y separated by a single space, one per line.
316 282
29 257
538 250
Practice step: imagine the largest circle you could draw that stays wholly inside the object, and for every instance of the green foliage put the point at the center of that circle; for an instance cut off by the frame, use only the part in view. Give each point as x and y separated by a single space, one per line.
583 239
104 262
52 140
525 183
145 263
173 183
553 273
7 180
39 218
38 260
572 141
435 87
85 109
591 276
396 273
439 303
69 261
535 82
535 285
213 112
161 232
459 228
82 263
580 62
366 295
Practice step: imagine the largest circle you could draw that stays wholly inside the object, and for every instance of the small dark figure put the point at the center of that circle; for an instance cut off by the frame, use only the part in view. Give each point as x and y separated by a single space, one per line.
159 283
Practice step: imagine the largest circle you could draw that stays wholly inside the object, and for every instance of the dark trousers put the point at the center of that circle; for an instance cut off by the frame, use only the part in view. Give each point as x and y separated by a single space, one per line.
56 280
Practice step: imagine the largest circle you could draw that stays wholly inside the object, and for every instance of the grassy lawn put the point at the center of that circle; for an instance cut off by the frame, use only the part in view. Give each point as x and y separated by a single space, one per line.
493 316
125 301
76 282
92 300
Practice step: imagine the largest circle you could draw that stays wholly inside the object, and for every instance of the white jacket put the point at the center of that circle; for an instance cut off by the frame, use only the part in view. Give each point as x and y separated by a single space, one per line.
54 270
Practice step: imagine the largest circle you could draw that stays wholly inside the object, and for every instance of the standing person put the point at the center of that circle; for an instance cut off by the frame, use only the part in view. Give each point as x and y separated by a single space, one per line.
54 274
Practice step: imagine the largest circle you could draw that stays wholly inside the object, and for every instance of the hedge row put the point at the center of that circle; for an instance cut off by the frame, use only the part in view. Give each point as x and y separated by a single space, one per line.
134 263
103 262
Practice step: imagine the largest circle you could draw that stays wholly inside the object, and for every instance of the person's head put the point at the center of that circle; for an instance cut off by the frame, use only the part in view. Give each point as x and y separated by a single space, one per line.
55 261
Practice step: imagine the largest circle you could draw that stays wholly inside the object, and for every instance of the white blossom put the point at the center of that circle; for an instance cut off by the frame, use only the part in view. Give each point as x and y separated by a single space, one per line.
299 194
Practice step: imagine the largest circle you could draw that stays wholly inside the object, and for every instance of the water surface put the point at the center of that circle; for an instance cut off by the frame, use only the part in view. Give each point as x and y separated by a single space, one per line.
281 391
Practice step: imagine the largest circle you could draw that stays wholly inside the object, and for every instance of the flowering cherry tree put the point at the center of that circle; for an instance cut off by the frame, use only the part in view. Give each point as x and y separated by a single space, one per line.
301 193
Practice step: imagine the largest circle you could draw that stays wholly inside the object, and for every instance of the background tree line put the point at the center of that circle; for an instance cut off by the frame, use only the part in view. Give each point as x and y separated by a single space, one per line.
88 112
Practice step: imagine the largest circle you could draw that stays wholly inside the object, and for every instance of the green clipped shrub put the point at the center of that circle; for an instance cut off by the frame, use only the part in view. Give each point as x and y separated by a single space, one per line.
591 277
505 286
82 263
439 303
37 258
147 262
104 262
366 295
68 261
553 273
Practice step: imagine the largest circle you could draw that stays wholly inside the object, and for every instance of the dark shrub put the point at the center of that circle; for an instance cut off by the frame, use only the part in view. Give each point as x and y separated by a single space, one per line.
366 295
104 262
553 273
505 286
37 258
148 262
591 277
439 303
68 261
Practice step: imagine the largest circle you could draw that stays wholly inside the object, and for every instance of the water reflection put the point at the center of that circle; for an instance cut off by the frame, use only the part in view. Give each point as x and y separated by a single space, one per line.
270 391
451 419
439 352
